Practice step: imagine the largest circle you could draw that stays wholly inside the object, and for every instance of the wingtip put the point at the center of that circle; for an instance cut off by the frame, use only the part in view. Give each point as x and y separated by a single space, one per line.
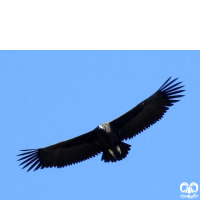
169 82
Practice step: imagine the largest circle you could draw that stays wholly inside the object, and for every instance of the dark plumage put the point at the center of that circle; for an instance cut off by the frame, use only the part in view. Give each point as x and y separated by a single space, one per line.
107 137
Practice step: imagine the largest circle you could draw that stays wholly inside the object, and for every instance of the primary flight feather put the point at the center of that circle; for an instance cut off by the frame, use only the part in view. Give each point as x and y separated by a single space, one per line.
107 137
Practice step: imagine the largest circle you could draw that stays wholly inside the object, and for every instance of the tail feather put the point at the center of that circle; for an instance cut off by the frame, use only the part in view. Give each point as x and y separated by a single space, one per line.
117 153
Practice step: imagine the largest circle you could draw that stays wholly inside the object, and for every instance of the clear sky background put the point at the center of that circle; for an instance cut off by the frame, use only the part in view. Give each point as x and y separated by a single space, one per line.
51 96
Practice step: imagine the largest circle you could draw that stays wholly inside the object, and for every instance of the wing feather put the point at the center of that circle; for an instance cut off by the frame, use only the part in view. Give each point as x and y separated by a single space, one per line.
148 111
61 154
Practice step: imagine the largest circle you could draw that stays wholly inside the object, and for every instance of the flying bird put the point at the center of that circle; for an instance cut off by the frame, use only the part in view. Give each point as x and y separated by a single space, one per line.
107 137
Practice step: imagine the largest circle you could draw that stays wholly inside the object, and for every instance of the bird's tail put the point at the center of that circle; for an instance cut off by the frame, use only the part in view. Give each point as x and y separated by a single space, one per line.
117 153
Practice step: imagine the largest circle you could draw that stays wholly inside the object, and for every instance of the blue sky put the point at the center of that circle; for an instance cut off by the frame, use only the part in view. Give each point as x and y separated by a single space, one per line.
51 96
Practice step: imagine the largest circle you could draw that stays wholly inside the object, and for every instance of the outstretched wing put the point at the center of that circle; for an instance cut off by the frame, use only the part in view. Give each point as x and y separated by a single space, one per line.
63 153
148 111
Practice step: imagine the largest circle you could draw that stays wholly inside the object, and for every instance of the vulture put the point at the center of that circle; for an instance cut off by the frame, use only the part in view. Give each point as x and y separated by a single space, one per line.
107 137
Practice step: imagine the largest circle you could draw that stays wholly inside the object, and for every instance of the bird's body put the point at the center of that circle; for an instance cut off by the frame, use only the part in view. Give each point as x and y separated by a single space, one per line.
107 137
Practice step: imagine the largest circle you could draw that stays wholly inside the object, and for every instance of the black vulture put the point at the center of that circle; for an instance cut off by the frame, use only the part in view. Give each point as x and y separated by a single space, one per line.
107 137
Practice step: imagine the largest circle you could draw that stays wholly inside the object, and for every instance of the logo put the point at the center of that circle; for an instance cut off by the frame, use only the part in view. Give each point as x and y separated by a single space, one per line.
192 188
